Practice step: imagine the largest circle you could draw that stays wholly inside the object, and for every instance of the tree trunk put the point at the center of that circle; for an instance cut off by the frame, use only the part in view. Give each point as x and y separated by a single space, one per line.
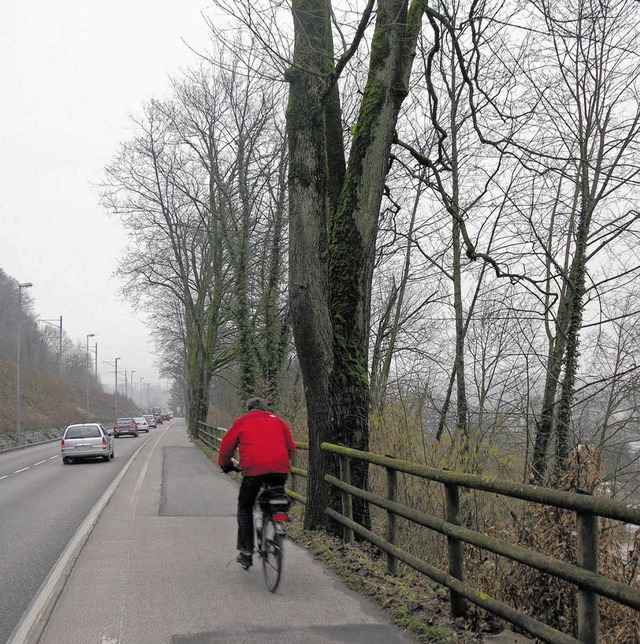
309 204
332 238
577 287
545 424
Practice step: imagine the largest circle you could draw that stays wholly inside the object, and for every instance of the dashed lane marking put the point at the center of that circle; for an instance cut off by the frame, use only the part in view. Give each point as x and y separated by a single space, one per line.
51 458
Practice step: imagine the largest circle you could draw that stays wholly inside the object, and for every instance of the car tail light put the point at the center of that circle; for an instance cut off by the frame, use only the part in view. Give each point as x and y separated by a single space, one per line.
62 444
279 517
132 425
104 442
116 426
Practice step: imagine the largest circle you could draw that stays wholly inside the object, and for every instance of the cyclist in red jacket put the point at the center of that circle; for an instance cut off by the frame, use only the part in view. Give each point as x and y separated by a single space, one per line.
265 446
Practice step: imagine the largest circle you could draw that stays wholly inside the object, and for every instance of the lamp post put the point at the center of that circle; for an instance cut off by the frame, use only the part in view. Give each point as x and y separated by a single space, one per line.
59 326
20 287
89 335
133 388
117 387
140 388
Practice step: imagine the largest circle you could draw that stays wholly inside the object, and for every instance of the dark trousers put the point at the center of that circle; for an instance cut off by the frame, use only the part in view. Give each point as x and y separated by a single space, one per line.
249 490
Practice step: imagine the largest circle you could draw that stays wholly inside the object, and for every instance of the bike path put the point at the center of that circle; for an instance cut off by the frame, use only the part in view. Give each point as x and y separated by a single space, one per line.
159 567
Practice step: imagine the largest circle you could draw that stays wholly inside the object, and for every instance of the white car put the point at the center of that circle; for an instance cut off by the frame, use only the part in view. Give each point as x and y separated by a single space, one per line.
143 425
151 420
88 440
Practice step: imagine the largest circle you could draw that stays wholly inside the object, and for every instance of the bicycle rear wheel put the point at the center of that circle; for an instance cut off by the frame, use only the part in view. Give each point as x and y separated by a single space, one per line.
272 554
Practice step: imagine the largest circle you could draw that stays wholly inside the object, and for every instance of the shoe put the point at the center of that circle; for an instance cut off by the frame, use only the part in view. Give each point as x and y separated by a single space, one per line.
244 560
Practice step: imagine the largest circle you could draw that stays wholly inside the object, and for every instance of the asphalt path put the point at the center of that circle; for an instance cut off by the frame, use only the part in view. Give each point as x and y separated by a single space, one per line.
42 505
158 566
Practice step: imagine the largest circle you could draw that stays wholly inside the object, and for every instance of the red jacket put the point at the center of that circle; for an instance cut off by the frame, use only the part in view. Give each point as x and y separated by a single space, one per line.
264 442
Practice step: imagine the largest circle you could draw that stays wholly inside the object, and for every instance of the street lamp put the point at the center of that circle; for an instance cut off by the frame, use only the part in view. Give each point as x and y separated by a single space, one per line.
140 388
59 325
89 335
20 287
133 384
117 387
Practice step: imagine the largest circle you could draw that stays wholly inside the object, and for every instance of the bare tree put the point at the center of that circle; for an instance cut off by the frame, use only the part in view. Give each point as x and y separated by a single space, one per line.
592 127
198 191
246 162
399 299
159 192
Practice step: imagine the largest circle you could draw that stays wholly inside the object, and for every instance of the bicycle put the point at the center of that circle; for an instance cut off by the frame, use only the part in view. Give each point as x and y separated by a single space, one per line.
269 519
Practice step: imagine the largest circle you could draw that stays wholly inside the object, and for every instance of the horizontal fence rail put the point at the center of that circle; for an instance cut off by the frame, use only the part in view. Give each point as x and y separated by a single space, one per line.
590 583
211 436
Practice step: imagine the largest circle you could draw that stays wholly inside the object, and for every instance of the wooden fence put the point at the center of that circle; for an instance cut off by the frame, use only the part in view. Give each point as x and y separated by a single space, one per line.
591 585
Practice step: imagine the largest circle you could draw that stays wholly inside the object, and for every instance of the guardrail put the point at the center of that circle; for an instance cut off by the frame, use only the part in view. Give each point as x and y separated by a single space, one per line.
591 585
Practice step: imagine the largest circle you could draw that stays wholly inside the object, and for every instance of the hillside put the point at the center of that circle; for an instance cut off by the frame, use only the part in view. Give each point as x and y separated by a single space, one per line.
49 402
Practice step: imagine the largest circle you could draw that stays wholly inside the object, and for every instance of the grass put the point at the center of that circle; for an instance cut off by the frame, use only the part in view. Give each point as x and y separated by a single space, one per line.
412 601
48 401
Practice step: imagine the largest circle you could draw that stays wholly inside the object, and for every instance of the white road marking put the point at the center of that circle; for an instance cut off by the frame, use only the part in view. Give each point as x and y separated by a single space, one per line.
39 463
52 457
3 477
22 470
136 490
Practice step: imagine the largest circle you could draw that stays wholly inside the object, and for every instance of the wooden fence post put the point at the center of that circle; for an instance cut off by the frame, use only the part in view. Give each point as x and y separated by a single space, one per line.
392 519
454 548
588 601
294 463
347 501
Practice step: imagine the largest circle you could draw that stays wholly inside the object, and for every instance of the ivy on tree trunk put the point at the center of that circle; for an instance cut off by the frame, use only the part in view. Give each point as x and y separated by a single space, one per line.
334 214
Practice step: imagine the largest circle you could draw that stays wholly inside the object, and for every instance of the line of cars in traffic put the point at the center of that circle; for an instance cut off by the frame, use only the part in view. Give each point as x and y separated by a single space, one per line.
94 440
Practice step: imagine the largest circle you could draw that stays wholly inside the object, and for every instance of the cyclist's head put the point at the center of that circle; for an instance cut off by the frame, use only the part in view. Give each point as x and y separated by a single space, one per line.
256 403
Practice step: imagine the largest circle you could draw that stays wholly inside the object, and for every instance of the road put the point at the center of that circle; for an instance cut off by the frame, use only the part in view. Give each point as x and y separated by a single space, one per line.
42 504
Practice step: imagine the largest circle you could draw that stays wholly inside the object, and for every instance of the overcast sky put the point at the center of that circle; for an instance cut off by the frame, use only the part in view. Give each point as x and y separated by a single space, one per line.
71 73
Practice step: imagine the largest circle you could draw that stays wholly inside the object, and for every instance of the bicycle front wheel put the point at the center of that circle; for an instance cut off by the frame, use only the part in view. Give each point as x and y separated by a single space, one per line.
272 554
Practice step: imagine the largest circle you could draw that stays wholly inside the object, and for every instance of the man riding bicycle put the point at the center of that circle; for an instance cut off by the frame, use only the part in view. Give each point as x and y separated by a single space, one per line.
265 446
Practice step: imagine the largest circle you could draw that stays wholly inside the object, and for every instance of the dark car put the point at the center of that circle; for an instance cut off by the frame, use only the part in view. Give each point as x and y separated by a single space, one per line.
124 426
158 418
